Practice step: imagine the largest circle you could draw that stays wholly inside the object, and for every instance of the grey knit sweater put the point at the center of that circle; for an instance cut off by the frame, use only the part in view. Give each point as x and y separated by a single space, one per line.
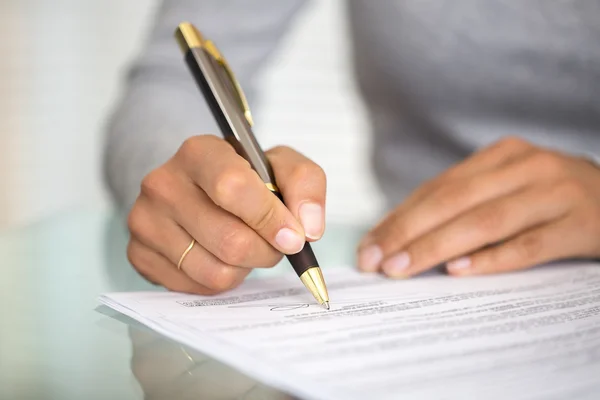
440 78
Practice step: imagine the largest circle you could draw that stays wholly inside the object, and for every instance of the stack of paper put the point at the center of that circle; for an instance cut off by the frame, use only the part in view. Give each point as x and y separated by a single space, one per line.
527 335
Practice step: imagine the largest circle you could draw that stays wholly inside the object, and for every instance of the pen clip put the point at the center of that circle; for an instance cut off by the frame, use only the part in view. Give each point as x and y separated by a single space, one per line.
212 49
189 37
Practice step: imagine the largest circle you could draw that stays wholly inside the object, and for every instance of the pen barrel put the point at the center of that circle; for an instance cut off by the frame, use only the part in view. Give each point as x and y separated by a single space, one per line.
303 260
192 60
218 93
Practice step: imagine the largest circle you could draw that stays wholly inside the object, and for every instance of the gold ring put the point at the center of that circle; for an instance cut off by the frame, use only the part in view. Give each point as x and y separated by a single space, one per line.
185 253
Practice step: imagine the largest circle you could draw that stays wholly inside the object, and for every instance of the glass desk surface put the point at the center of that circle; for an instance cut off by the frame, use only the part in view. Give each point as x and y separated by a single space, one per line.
57 343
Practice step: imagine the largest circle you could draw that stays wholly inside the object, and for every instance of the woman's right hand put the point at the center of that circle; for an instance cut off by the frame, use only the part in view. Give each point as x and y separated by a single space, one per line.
208 193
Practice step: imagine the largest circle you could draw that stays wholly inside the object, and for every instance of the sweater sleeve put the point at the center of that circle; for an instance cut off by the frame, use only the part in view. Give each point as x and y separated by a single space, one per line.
161 105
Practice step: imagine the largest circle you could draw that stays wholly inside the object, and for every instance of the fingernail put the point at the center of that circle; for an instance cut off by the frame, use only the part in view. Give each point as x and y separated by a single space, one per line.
311 216
290 241
459 264
397 265
369 258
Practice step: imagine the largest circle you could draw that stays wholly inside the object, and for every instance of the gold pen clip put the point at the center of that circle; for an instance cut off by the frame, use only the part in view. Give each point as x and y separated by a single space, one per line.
189 37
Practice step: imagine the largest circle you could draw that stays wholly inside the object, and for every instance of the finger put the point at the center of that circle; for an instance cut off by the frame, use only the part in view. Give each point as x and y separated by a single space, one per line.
232 185
229 239
158 270
498 154
457 196
205 268
539 245
303 186
447 202
461 177
483 225
218 231
171 241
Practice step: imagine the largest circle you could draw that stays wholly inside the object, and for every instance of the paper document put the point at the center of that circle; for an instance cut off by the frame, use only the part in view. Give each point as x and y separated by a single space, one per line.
528 335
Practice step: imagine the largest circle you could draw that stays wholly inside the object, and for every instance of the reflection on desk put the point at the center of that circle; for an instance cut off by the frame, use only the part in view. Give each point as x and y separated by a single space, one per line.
167 370
54 345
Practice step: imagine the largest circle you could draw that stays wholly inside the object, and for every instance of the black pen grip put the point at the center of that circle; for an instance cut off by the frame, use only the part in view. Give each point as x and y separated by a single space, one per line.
303 260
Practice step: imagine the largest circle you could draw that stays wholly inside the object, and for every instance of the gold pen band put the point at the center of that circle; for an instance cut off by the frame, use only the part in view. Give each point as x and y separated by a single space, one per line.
313 280
272 188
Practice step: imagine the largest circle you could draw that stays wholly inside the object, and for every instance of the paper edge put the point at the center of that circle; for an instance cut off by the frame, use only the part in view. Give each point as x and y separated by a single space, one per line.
265 374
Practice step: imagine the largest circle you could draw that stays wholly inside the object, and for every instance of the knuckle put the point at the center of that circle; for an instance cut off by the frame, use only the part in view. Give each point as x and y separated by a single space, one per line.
319 174
446 197
529 247
194 145
159 185
571 189
449 195
434 185
401 233
149 277
490 219
264 218
549 163
132 254
272 260
432 251
191 288
390 237
223 278
279 150
141 261
234 247
136 221
513 143
306 170
198 148
229 184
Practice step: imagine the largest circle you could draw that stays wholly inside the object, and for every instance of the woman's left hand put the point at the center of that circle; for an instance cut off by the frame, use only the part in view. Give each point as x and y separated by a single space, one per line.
507 207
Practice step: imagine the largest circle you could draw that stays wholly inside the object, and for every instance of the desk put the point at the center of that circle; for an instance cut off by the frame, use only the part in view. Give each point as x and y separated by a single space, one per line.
55 343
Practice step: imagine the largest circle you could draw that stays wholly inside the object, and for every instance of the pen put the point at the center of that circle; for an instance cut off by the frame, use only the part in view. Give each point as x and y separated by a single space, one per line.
230 109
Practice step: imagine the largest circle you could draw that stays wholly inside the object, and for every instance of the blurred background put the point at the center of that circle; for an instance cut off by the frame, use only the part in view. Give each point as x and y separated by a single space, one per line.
61 70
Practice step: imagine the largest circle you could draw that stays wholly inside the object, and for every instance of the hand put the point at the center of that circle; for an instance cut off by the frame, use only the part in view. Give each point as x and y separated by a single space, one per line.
208 193
507 207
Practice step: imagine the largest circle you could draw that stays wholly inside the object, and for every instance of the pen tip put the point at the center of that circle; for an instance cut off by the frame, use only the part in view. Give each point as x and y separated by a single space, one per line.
326 305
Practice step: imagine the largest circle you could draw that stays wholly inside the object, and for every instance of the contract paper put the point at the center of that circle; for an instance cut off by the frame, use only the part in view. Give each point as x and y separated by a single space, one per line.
528 335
